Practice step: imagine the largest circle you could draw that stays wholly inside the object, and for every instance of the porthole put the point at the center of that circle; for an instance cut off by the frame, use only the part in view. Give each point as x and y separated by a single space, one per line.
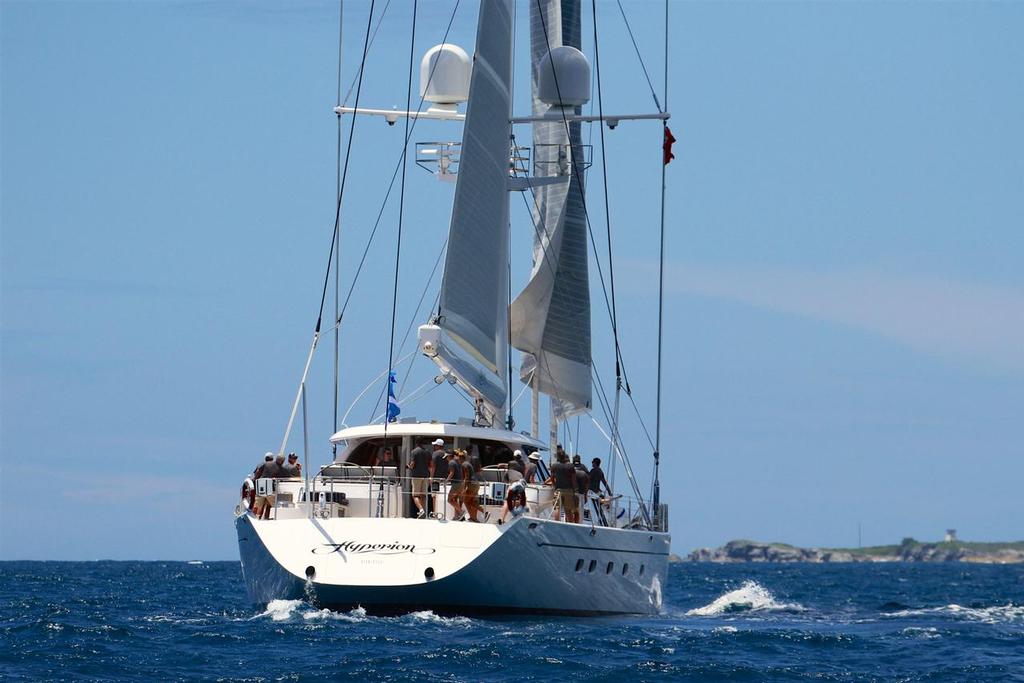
579 564
641 570
609 568
592 567
625 569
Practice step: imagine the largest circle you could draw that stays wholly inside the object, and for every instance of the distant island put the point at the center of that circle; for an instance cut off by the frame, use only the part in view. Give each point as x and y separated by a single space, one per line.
909 550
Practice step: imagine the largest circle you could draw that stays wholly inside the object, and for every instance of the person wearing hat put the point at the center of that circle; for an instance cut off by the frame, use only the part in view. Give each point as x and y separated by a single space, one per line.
274 470
439 460
292 468
531 468
515 501
516 463
267 459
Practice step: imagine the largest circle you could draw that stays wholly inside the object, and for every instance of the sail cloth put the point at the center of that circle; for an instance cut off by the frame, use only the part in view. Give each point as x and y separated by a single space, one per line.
551 317
474 290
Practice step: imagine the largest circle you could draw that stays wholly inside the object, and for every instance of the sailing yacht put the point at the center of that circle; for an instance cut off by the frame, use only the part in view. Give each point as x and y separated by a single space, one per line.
348 534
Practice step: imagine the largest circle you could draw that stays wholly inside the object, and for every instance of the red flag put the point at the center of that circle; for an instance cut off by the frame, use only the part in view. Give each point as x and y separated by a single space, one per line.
666 146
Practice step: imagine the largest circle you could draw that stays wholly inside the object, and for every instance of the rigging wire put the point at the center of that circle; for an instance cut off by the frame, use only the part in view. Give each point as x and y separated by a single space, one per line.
643 66
387 194
583 201
394 177
601 394
373 38
401 206
334 236
607 209
344 172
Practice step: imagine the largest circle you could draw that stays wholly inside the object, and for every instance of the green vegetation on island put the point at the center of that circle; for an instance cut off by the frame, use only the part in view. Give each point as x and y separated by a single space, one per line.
908 550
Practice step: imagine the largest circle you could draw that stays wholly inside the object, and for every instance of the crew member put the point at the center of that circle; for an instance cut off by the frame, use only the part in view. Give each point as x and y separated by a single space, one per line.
419 467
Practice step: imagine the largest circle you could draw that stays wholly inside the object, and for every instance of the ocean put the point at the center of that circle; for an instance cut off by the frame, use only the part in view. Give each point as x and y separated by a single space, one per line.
753 622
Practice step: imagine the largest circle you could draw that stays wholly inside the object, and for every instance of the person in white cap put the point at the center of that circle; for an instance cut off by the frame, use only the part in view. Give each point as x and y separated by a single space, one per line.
531 468
516 463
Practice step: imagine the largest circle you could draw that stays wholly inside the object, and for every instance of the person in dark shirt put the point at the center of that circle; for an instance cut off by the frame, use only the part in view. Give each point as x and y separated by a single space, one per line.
563 478
419 466
597 478
455 482
531 468
516 463
292 468
439 466
267 459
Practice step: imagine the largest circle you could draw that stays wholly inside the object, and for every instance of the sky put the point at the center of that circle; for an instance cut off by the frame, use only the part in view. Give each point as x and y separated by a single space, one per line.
844 330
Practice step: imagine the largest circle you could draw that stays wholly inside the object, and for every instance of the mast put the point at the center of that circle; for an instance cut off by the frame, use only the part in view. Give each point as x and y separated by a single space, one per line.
337 240
551 316
656 485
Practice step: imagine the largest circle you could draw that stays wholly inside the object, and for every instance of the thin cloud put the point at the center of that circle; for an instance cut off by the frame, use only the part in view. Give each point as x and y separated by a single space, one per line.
964 321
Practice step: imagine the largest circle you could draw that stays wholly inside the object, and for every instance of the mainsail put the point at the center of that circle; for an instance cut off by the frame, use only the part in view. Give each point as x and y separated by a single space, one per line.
551 316
474 291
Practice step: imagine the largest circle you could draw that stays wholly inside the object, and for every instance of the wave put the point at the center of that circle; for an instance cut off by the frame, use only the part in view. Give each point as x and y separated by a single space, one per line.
999 614
430 617
750 597
288 610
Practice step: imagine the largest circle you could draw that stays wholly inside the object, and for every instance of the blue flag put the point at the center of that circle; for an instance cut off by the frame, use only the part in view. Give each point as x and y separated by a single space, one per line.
393 408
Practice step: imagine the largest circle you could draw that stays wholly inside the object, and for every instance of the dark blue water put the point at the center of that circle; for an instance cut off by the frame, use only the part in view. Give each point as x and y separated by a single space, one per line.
180 621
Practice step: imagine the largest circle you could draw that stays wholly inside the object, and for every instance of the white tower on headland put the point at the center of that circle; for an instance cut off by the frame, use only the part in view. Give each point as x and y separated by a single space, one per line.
950 536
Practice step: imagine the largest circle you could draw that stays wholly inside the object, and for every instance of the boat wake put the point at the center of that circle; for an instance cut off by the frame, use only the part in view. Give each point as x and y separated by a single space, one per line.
300 610
999 614
290 610
750 597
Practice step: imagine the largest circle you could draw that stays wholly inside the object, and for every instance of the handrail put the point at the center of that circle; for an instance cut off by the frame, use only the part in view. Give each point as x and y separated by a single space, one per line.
596 510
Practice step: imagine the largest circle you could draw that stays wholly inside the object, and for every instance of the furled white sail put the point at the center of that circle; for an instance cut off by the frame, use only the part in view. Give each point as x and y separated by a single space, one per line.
474 292
551 317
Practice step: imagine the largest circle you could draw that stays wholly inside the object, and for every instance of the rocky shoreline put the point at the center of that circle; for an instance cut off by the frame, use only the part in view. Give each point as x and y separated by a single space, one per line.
907 551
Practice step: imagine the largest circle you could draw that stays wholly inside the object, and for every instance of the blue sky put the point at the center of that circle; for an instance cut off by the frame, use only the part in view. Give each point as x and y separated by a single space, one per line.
845 291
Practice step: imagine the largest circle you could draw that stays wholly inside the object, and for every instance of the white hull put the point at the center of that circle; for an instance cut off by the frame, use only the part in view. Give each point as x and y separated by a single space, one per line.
528 565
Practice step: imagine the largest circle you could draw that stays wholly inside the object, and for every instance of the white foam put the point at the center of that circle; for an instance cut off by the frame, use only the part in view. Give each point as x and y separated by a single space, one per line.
751 596
1000 614
280 610
926 633
354 616
429 616
285 610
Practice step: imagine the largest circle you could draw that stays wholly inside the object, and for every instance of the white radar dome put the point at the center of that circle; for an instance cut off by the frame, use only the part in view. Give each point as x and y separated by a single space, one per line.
564 71
444 74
